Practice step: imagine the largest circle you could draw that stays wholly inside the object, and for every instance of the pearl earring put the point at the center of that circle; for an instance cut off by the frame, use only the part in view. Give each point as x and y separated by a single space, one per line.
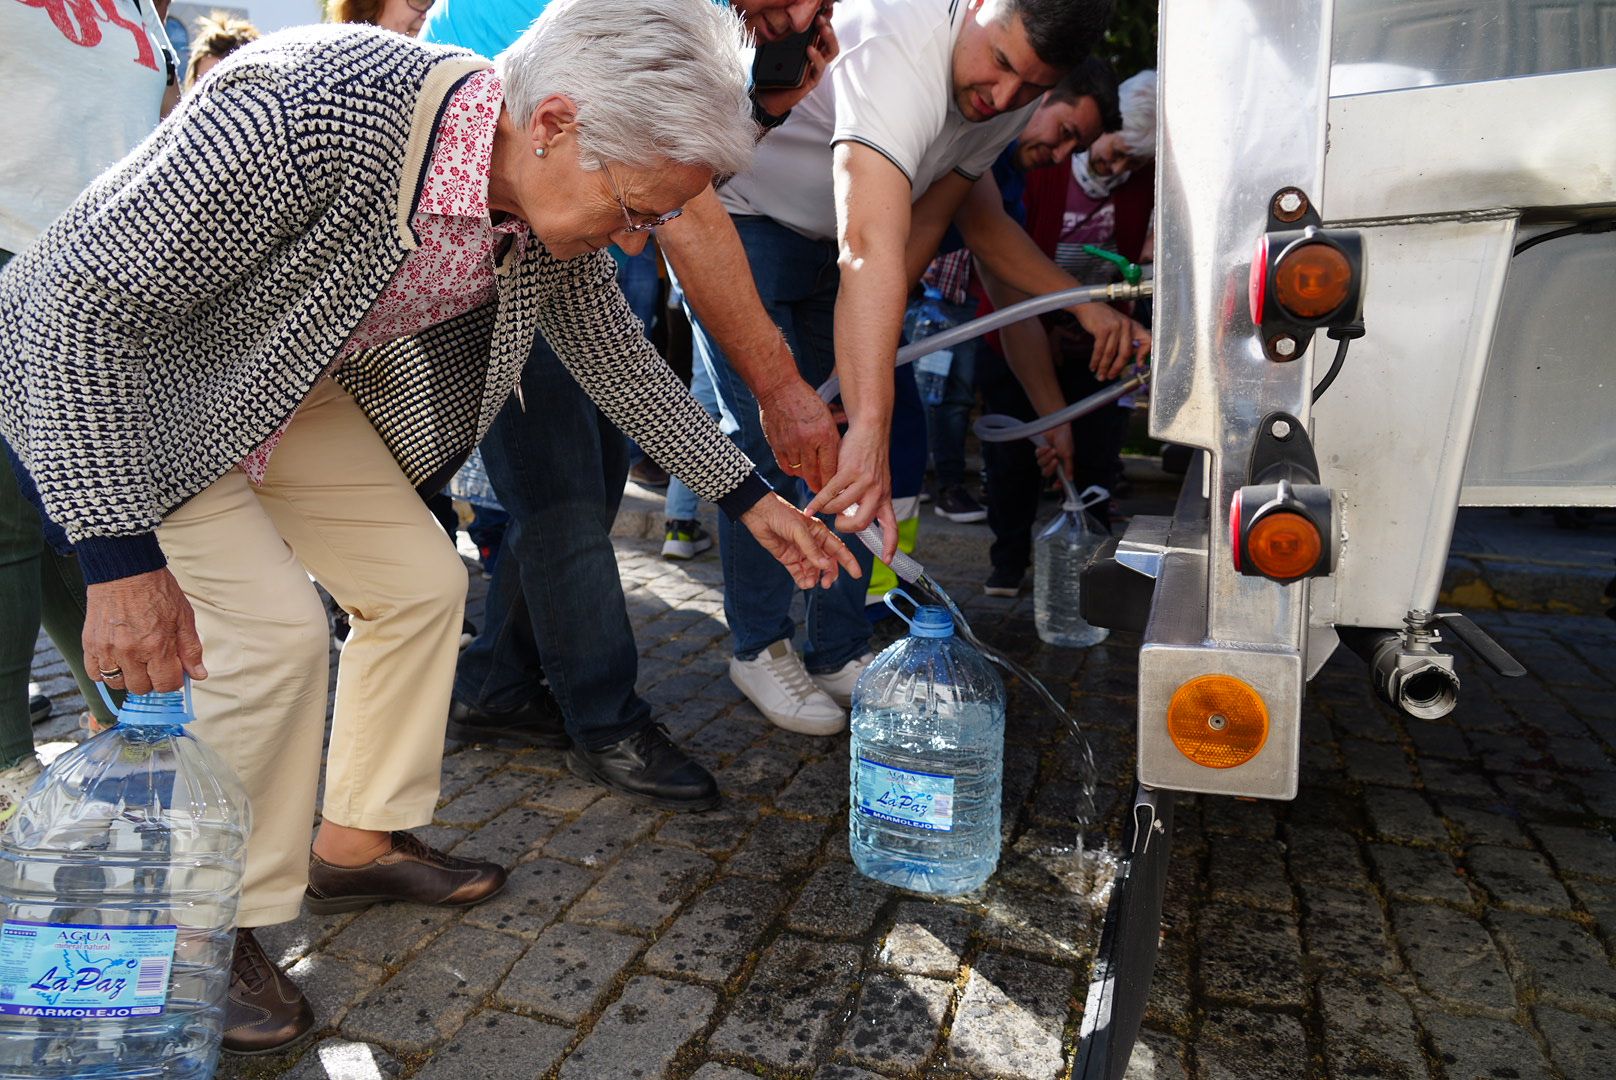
538 151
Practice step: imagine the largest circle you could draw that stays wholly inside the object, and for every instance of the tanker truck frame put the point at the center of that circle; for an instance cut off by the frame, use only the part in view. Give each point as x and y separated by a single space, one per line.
1384 261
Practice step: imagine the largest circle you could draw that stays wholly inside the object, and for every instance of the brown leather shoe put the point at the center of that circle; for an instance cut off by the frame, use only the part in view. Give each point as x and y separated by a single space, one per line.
411 871
264 1011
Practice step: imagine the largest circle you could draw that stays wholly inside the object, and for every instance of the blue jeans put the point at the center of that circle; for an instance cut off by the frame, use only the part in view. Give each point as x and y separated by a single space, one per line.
555 607
797 279
948 422
682 502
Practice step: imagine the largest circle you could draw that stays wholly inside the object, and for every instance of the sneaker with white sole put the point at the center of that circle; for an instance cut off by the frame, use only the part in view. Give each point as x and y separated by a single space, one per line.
1004 583
839 683
777 683
14 784
957 504
684 539
39 706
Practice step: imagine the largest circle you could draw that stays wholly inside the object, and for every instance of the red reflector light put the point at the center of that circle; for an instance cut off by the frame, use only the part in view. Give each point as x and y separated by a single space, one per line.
1257 284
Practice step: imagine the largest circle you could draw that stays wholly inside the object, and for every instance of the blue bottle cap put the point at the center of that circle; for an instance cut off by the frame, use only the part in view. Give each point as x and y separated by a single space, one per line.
933 622
156 709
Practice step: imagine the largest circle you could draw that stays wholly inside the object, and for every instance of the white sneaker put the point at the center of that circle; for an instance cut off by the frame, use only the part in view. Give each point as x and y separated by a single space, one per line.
839 683
684 540
778 684
14 784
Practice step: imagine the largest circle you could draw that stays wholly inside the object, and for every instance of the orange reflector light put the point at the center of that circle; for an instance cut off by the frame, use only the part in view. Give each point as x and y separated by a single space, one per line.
1217 721
1283 545
1312 280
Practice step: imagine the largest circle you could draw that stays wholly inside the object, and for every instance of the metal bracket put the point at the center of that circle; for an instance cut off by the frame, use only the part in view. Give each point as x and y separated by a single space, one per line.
1282 451
1149 539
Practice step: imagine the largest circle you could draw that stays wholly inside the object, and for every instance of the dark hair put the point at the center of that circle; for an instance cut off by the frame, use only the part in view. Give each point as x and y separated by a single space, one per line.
1062 32
1094 78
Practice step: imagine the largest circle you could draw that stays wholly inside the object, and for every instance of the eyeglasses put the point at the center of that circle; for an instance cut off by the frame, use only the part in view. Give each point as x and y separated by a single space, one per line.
628 219
421 6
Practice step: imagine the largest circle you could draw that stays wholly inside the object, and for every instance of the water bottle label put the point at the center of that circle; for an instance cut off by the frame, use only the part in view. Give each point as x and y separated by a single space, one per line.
924 800
936 363
84 970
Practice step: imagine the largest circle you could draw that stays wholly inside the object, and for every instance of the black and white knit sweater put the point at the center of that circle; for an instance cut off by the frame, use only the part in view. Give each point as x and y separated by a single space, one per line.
188 302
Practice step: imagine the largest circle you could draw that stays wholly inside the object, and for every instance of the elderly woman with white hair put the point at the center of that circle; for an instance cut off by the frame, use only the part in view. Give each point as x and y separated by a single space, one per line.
231 363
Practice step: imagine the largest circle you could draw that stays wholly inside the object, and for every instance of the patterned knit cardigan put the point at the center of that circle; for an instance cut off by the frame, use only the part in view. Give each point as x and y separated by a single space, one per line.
185 305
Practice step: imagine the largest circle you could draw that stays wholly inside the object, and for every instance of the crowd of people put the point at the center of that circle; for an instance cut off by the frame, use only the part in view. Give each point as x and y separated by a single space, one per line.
260 306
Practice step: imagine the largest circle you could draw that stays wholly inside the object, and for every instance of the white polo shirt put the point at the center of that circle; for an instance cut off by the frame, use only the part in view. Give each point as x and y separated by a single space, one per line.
892 89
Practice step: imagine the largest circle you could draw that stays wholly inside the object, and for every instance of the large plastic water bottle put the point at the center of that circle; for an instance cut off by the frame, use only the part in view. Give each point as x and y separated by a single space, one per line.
1059 554
927 761
119 877
925 318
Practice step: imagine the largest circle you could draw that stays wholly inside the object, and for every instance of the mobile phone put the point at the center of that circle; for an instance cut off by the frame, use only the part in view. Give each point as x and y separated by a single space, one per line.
783 64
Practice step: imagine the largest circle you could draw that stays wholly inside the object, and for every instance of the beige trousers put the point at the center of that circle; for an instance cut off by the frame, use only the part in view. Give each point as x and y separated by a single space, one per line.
335 505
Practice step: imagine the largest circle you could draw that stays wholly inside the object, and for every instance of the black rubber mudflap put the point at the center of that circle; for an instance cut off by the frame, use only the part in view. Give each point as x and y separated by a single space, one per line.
1127 956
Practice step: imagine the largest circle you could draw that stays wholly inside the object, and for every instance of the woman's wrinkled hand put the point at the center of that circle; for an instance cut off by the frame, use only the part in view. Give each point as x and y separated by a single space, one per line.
140 634
804 545
821 52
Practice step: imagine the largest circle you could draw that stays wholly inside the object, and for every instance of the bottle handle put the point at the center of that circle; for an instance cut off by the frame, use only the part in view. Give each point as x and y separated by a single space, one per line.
887 600
190 707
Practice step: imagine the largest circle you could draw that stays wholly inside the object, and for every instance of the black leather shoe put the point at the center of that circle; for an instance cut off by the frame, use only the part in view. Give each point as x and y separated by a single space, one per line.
648 768
264 1012
538 723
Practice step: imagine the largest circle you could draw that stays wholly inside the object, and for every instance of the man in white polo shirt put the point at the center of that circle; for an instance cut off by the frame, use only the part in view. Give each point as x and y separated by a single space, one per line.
854 188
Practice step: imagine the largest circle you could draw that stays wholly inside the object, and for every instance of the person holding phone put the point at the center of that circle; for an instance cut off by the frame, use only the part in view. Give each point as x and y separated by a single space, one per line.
844 205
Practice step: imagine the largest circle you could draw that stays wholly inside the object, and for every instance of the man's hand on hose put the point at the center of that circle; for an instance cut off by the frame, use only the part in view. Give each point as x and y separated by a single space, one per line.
803 544
140 634
1118 340
861 490
1055 448
801 432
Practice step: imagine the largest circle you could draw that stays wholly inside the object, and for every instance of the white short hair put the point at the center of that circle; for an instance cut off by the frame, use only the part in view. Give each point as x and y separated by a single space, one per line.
1137 96
651 79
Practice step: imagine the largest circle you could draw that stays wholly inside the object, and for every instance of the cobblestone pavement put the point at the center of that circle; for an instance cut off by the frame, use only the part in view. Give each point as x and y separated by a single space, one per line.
1439 901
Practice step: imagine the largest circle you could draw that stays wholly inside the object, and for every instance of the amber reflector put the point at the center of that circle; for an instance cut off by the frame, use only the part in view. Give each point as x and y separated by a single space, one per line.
1312 280
1283 545
1217 721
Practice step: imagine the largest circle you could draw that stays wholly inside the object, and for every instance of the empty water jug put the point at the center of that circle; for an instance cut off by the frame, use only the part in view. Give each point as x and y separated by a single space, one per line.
119 877
1060 552
927 760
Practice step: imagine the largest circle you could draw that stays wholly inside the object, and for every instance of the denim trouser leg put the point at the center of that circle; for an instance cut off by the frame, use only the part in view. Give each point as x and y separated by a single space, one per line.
682 502
558 468
948 422
797 280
